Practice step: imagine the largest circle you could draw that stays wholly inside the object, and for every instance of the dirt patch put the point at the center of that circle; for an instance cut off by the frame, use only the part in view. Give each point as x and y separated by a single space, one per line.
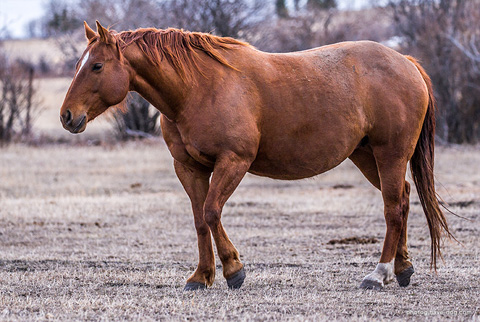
354 240
343 186
459 204
249 204
462 204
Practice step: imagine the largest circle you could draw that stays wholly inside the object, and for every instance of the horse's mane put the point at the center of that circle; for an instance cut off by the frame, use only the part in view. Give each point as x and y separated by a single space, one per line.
178 46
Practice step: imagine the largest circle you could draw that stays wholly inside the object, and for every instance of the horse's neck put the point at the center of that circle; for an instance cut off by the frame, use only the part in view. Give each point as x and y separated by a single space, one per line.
161 86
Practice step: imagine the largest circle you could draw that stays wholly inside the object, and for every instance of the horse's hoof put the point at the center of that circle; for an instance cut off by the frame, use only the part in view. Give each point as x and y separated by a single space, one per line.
193 286
237 279
403 278
370 284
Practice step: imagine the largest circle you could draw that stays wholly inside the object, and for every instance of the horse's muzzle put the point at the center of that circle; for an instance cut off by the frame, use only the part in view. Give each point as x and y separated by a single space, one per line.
74 125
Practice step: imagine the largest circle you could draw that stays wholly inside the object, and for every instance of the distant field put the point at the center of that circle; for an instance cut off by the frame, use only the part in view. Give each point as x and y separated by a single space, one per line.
106 233
34 50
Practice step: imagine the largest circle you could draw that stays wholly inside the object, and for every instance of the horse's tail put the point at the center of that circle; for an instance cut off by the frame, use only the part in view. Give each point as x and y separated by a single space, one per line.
421 165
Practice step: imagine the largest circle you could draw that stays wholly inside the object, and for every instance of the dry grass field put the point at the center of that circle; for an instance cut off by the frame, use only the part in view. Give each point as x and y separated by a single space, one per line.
106 233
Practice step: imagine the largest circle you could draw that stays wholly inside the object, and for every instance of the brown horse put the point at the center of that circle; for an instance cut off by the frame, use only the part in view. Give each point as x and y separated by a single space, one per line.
228 109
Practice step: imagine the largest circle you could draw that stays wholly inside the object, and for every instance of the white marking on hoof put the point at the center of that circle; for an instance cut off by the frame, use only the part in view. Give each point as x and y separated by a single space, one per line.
383 274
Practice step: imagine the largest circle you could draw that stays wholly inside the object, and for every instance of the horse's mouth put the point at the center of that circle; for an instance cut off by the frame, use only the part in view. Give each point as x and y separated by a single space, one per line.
79 127
82 125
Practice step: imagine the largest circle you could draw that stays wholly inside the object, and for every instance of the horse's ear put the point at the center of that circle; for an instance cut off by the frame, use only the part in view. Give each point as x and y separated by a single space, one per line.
89 33
105 35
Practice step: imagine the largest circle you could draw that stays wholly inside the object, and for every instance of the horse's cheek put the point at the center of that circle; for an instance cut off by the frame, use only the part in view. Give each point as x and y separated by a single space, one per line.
116 89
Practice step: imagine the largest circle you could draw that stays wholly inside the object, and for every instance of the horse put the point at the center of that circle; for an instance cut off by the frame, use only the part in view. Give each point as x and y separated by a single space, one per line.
228 109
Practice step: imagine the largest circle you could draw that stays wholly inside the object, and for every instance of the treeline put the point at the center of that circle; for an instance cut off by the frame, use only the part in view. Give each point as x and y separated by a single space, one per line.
443 34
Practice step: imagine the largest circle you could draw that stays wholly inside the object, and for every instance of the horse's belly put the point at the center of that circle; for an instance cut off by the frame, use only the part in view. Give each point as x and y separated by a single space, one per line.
308 141
299 163
275 172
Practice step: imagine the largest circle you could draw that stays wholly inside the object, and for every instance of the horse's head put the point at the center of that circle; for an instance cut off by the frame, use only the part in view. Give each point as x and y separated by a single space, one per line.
101 80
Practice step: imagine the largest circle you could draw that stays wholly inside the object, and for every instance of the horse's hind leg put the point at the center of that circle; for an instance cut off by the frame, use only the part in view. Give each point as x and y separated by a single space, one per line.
364 159
391 169
403 266
196 185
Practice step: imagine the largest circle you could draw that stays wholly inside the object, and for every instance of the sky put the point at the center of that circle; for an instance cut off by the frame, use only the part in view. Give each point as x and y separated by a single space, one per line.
16 14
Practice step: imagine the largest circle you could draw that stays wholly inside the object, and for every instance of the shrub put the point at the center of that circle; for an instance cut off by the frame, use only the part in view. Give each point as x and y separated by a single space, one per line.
139 121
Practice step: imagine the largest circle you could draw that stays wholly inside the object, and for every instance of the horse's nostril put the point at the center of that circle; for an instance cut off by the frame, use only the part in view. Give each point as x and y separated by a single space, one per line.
67 117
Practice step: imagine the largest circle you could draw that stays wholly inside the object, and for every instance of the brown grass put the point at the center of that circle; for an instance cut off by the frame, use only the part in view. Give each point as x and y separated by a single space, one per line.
106 233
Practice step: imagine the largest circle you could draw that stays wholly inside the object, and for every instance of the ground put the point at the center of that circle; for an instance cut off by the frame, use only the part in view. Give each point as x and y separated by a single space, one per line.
105 232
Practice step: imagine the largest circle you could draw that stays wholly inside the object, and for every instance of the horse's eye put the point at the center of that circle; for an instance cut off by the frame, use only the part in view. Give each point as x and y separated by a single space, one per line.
96 67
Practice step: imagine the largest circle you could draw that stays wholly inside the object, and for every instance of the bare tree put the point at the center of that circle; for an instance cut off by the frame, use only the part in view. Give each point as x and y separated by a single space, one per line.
312 25
281 8
321 4
122 14
18 103
230 18
59 18
444 35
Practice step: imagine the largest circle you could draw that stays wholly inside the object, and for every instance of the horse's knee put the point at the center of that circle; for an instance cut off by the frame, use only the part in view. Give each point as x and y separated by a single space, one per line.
395 222
202 228
212 216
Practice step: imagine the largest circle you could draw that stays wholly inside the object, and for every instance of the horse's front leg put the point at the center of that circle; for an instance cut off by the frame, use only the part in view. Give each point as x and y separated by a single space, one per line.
195 183
228 172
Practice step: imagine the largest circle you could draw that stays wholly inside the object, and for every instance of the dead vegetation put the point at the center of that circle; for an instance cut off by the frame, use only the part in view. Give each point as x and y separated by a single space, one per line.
444 35
18 99
106 233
